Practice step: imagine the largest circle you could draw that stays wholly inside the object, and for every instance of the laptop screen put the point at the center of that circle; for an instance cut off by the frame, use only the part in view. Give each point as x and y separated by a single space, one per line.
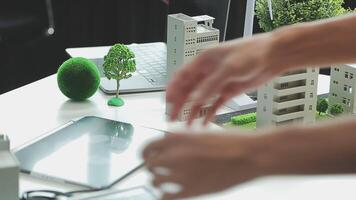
219 9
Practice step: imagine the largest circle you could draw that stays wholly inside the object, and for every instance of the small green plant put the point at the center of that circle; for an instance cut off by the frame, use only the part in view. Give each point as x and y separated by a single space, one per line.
336 109
322 106
119 64
244 119
287 12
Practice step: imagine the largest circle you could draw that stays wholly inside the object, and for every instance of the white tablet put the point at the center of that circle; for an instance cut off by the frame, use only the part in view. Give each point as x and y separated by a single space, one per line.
92 152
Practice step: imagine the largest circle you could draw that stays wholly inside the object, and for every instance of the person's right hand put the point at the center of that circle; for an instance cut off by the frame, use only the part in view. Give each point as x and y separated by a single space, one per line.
222 73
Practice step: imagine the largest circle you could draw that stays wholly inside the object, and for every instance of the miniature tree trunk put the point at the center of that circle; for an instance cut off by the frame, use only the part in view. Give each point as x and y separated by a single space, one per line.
117 88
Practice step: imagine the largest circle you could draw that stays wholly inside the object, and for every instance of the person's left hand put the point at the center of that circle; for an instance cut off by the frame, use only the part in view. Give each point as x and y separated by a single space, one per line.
201 164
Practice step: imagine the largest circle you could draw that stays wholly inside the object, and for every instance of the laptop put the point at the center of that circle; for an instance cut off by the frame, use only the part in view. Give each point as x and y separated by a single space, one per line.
151 58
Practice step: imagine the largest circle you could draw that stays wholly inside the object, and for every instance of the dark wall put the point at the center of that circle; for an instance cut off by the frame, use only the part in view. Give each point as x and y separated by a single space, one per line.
87 23
29 57
93 22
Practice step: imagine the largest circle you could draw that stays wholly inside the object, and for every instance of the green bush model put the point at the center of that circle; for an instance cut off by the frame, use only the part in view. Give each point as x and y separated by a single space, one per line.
322 106
119 64
287 12
78 78
244 119
336 109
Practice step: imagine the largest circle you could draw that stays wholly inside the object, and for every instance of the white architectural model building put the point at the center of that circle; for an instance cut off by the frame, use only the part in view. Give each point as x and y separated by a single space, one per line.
288 99
9 171
186 37
342 87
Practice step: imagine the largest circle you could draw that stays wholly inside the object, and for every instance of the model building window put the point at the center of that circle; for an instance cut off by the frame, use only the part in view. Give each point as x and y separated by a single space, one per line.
345 88
348 103
311 95
264 109
312 82
351 75
350 89
346 74
344 100
284 85
310 107
265 96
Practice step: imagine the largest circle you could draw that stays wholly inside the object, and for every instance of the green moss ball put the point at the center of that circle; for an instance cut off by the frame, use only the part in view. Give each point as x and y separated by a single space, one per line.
78 78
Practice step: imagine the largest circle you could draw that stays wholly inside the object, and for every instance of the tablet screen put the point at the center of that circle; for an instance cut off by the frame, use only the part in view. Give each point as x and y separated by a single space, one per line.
93 152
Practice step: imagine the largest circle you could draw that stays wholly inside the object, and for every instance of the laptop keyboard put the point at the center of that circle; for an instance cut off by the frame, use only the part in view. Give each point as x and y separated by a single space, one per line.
151 61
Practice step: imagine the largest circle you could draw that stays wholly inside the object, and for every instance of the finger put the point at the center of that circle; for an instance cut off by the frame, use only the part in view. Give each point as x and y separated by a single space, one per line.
177 107
179 195
160 180
185 80
165 161
194 113
170 196
217 104
156 147
206 91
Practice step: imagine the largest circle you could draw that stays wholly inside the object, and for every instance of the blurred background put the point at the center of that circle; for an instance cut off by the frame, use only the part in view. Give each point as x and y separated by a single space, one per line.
29 50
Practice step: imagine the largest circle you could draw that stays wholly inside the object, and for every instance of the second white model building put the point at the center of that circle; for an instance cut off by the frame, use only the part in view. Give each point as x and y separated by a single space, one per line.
186 37
342 87
290 98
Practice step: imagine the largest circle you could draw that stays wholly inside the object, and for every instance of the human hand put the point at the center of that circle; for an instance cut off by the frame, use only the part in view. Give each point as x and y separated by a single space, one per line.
222 72
201 164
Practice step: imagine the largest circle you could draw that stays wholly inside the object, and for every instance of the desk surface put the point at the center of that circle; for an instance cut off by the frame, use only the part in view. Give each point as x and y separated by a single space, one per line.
37 108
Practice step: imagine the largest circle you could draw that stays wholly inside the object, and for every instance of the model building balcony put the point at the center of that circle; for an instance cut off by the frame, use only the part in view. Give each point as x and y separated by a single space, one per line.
281 102
303 71
292 77
290 84
289 116
288 104
288 113
290 91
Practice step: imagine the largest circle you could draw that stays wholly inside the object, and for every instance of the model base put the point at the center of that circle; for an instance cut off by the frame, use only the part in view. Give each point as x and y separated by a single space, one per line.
117 102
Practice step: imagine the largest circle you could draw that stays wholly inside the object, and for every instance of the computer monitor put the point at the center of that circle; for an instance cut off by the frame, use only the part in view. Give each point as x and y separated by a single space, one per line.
219 9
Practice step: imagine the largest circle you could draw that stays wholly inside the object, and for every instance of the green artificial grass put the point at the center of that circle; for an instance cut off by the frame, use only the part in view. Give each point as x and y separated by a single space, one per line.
323 116
249 126
117 102
78 78
252 125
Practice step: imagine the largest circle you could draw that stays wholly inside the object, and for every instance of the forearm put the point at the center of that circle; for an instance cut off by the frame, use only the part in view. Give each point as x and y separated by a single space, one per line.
326 148
315 44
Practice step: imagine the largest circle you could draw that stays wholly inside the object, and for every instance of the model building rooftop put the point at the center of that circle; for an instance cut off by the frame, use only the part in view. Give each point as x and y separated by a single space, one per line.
352 65
203 18
183 17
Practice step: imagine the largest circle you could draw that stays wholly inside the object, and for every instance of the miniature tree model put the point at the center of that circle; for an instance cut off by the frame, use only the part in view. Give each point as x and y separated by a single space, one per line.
336 109
322 106
119 64
296 11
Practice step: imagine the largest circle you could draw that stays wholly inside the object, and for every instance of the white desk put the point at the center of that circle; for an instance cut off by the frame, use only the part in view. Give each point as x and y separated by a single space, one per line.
32 110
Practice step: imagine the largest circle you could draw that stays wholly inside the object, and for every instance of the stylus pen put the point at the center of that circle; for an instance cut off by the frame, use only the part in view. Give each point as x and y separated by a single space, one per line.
127 175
